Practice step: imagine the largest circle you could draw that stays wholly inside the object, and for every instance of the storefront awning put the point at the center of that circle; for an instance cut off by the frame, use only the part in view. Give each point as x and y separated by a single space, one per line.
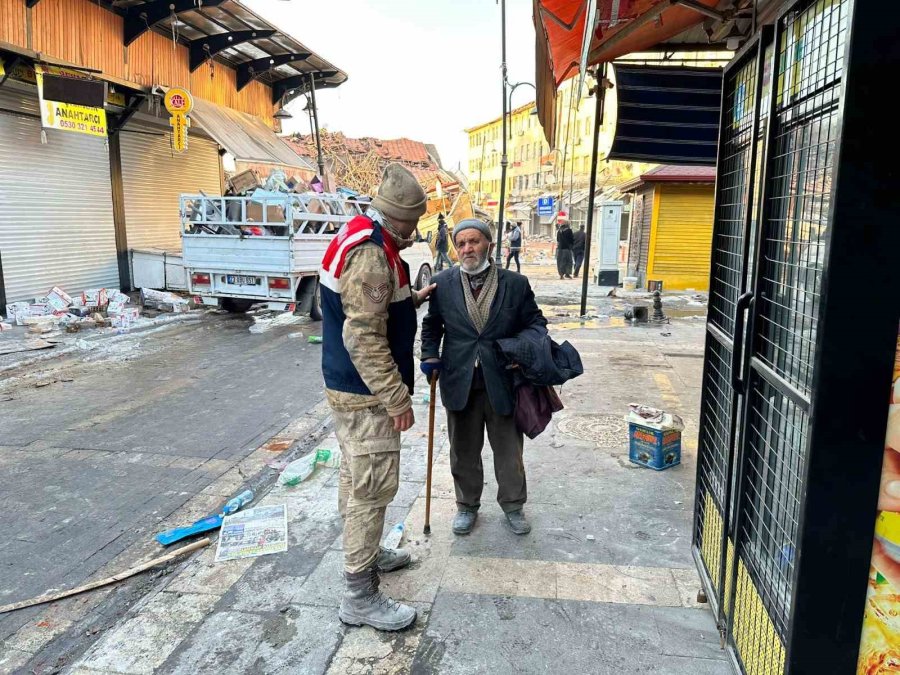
622 27
245 136
667 115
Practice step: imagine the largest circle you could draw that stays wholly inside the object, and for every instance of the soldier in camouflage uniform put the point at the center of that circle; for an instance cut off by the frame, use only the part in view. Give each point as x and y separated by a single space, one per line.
369 326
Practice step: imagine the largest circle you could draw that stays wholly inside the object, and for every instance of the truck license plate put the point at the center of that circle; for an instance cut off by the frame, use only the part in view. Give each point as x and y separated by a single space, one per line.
240 280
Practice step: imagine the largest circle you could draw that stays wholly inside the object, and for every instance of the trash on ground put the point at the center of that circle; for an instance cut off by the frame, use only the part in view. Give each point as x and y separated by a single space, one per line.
426 398
394 537
301 469
262 323
164 301
206 524
137 569
314 339
254 532
5 326
591 537
654 437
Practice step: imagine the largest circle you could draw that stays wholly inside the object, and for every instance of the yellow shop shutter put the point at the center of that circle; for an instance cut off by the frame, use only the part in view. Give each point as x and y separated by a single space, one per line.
684 236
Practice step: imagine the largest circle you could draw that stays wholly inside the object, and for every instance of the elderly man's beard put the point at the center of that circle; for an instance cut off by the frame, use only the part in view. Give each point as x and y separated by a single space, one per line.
476 266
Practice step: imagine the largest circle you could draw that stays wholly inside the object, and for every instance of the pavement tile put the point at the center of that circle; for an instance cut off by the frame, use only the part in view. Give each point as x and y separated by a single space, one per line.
299 640
500 576
325 586
608 583
688 583
202 575
12 659
366 651
142 643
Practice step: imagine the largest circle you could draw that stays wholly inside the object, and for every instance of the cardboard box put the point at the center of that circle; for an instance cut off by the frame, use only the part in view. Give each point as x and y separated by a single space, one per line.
95 297
15 308
58 299
656 449
274 213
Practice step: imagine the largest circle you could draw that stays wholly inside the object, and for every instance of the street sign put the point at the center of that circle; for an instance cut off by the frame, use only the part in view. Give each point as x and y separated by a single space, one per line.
545 206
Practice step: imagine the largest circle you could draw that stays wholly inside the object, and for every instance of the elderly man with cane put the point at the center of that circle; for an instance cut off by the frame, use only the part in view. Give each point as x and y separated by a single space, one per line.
473 306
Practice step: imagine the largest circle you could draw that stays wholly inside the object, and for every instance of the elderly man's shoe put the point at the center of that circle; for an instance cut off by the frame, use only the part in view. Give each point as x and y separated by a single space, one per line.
464 521
517 522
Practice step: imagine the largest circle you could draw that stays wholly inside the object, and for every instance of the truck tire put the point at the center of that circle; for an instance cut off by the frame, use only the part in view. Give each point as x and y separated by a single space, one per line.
424 277
308 298
236 305
315 311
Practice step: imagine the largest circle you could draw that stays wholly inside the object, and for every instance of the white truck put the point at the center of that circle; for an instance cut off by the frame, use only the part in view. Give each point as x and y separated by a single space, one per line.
241 251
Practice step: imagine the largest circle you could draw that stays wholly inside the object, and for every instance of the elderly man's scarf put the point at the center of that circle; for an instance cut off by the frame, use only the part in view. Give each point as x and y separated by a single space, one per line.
480 308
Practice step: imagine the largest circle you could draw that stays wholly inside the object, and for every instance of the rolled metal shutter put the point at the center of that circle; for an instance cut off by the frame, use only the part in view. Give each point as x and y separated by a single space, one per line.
56 214
153 179
684 236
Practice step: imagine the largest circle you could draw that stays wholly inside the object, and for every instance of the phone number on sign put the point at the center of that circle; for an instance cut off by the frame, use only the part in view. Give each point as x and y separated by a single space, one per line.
80 126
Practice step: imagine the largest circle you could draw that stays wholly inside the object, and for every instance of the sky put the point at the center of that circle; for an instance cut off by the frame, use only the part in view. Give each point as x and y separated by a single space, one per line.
420 69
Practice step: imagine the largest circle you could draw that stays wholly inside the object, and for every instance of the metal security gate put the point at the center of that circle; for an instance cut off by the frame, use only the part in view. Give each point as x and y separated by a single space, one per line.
56 213
778 136
154 178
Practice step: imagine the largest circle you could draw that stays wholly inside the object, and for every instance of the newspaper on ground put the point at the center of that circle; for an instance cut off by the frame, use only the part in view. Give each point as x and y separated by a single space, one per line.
254 532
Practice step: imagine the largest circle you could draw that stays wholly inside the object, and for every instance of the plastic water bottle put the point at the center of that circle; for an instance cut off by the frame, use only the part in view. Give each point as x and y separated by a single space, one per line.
237 503
393 538
328 458
298 470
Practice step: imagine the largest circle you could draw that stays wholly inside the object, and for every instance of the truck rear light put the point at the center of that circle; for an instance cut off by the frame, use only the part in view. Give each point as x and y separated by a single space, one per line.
201 278
279 283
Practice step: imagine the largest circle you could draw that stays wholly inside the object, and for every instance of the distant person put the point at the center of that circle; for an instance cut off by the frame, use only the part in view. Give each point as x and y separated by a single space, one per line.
565 242
442 245
578 249
514 241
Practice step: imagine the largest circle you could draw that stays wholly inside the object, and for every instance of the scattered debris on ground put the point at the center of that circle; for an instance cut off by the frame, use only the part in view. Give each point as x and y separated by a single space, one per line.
252 533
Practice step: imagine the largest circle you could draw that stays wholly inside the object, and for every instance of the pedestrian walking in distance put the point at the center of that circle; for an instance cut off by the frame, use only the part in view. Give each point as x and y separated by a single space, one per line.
578 250
442 245
366 297
565 242
514 241
474 305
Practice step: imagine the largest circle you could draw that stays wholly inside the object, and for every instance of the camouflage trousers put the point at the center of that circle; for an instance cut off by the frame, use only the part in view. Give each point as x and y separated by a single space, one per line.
369 478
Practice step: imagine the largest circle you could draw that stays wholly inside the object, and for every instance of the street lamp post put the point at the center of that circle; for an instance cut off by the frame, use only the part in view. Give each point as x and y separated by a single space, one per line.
504 159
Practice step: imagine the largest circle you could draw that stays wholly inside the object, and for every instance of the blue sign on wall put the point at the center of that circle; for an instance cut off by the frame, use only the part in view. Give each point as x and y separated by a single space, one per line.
545 206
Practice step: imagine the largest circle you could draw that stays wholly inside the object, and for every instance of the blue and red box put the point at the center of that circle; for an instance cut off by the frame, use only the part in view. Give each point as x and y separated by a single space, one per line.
656 449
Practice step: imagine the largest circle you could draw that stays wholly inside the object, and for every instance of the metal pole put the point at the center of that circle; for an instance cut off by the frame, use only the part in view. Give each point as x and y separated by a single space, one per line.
315 114
600 93
480 171
503 157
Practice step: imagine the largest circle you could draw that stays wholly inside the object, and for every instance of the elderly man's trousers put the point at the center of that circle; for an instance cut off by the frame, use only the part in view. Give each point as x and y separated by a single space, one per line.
467 429
369 479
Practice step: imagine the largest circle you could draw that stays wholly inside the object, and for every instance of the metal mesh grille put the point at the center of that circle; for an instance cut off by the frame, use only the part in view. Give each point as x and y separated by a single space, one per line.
733 195
809 69
774 456
712 456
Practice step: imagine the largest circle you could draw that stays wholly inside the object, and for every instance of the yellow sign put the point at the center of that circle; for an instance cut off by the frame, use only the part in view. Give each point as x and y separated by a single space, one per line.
68 116
180 125
179 103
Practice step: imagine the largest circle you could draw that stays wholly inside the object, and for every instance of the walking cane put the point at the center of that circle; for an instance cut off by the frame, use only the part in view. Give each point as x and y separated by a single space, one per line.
431 405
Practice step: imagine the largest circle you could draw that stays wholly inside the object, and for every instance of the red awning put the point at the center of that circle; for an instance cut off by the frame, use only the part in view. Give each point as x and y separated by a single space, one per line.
624 27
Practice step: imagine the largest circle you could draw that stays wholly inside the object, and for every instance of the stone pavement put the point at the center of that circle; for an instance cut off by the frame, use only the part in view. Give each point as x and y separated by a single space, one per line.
604 583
